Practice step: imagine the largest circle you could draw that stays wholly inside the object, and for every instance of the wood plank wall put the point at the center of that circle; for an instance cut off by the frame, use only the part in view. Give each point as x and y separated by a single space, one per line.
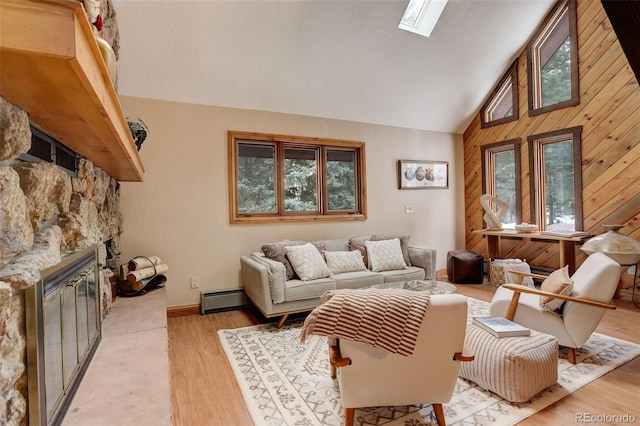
609 113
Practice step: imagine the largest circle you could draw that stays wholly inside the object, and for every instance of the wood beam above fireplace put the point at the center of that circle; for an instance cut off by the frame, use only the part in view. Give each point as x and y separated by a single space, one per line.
51 66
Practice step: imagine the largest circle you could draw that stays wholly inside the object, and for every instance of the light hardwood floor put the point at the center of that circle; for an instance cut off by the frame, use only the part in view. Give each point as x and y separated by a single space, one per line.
205 392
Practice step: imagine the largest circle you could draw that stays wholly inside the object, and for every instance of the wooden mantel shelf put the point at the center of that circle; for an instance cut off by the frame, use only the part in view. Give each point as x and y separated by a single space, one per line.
51 66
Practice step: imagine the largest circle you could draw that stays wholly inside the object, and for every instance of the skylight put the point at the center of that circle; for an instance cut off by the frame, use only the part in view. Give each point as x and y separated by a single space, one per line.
421 16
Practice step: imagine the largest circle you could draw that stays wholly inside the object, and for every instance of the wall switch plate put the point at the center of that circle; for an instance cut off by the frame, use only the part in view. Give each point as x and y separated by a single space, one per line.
195 282
408 209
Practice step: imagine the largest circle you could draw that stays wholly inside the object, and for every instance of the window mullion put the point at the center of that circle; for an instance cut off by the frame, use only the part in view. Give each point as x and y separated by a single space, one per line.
492 175
280 184
540 186
322 181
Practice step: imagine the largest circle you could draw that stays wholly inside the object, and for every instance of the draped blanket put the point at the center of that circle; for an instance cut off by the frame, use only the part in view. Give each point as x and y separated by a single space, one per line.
383 318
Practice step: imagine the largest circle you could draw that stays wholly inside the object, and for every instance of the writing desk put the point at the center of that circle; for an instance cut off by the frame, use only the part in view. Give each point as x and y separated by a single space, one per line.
567 244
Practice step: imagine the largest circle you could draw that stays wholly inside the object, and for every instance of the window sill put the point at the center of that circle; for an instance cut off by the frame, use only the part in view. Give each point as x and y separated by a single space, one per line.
305 218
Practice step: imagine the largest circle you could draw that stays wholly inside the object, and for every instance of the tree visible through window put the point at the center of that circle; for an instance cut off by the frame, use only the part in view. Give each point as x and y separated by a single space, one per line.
256 178
300 180
552 61
555 76
559 198
341 180
557 184
275 178
501 177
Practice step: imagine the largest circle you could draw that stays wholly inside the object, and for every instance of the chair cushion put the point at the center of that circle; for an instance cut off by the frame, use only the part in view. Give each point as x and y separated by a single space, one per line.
307 262
344 261
557 282
385 255
529 314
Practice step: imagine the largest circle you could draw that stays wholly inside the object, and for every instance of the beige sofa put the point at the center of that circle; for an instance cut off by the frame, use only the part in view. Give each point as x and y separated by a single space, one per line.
266 284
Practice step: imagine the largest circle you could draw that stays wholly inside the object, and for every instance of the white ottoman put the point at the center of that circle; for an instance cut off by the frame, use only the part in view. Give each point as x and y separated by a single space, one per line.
516 368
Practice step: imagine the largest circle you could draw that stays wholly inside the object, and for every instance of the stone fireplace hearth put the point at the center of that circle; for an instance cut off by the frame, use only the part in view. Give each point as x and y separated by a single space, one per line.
45 214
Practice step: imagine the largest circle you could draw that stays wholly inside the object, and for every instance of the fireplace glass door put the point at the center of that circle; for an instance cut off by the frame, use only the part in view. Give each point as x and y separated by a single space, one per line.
66 319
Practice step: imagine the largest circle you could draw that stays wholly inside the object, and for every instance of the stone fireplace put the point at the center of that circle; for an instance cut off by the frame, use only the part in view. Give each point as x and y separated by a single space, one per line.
45 216
48 215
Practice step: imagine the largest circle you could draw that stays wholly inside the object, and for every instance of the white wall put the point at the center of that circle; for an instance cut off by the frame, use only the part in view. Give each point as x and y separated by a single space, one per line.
180 212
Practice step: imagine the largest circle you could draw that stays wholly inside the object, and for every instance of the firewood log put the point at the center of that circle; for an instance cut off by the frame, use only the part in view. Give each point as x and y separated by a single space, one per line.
141 262
125 287
124 271
139 275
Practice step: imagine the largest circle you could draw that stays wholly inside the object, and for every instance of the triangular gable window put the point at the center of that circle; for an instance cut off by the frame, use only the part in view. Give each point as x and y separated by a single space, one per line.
552 61
502 105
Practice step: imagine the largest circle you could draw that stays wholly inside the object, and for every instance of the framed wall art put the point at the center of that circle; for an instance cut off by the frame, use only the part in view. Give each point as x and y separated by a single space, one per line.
415 174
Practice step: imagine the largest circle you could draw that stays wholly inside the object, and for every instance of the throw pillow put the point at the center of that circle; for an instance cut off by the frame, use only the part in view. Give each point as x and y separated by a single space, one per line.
385 255
344 261
307 262
404 244
276 251
557 282
363 250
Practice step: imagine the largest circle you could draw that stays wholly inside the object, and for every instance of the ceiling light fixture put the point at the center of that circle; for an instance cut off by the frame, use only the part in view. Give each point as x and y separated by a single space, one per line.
421 16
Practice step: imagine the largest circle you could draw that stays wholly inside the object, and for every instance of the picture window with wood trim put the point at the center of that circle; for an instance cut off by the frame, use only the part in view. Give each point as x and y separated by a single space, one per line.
277 178
501 177
556 188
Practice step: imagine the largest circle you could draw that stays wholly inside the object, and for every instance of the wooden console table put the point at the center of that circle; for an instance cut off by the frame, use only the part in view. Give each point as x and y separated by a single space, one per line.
567 244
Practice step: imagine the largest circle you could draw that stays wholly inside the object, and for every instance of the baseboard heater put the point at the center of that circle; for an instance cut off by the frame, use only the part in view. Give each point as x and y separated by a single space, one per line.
540 271
223 300
534 270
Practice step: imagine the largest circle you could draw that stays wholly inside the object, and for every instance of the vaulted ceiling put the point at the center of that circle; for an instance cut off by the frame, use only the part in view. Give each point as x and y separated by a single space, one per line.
324 58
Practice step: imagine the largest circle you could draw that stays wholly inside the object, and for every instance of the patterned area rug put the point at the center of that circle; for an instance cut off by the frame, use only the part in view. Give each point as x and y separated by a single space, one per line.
284 382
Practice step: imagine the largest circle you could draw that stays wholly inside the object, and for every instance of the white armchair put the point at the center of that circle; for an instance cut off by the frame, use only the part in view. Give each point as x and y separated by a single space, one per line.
594 285
373 377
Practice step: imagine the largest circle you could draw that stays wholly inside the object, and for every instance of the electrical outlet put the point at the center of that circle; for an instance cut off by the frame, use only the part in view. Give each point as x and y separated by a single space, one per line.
408 209
195 281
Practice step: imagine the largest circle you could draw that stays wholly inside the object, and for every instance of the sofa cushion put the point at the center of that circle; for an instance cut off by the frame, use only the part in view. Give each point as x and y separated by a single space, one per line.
301 290
307 262
344 261
276 251
404 244
409 273
358 279
385 255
